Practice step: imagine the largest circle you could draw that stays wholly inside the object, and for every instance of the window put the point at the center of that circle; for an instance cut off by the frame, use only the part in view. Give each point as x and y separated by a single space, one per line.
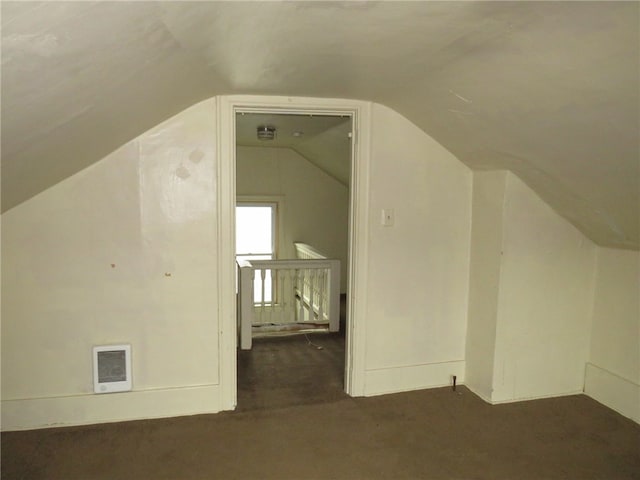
256 238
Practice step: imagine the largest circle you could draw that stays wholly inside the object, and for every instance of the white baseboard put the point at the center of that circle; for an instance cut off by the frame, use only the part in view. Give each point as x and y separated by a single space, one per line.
478 392
537 397
414 377
112 407
612 390
490 401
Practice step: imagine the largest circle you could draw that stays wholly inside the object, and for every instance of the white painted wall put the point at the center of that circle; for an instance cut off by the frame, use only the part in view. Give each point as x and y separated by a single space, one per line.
613 371
122 252
316 206
531 289
544 303
484 279
150 209
418 268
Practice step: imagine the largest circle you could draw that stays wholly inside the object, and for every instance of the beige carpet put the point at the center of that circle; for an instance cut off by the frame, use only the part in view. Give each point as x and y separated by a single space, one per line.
434 434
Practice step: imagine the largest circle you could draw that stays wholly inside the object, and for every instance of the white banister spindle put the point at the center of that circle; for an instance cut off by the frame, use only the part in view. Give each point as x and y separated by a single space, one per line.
262 273
279 299
274 294
334 295
284 295
246 310
312 286
263 276
302 280
321 294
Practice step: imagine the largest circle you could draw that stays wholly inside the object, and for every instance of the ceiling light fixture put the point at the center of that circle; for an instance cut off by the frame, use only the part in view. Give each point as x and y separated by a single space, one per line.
266 132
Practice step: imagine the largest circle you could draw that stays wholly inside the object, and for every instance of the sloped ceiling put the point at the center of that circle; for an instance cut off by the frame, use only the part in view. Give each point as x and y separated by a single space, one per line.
548 90
322 140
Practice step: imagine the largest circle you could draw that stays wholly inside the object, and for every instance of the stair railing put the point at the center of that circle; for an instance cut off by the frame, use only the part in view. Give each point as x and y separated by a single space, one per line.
287 292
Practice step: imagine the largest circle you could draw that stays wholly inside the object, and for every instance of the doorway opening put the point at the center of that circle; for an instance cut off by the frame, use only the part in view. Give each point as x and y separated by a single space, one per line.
227 107
292 204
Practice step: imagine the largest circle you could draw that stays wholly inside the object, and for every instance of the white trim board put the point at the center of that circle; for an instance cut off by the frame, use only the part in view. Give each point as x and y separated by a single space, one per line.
613 391
227 107
414 377
32 413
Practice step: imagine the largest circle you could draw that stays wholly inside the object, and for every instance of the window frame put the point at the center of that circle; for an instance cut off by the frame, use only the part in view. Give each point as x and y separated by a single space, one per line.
277 224
276 202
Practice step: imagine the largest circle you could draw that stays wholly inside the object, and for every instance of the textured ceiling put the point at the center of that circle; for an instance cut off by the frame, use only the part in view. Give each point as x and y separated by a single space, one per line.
547 90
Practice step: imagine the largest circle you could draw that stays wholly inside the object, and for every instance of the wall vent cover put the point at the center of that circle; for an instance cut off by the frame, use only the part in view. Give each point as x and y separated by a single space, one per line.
111 368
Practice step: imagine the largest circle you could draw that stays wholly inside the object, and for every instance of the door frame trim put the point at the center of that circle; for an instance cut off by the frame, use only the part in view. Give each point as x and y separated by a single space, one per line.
226 109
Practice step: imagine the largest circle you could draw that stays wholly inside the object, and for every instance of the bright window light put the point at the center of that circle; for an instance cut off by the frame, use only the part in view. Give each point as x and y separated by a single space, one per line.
254 230
255 240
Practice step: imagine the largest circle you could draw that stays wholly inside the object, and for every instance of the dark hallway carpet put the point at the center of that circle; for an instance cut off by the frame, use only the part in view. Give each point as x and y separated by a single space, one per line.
308 429
292 370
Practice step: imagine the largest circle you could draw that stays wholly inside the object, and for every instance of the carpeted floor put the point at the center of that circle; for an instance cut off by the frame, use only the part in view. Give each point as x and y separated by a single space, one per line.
293 370
308 429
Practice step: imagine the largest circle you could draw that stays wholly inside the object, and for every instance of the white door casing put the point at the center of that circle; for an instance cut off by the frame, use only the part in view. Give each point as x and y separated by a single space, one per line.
360 112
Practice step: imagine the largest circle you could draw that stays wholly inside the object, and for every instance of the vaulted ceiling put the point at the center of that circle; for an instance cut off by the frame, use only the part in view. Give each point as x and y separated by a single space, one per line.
548 90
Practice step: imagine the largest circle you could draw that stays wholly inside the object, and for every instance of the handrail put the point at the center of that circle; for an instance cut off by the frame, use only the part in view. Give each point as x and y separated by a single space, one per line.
308 251
283 264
